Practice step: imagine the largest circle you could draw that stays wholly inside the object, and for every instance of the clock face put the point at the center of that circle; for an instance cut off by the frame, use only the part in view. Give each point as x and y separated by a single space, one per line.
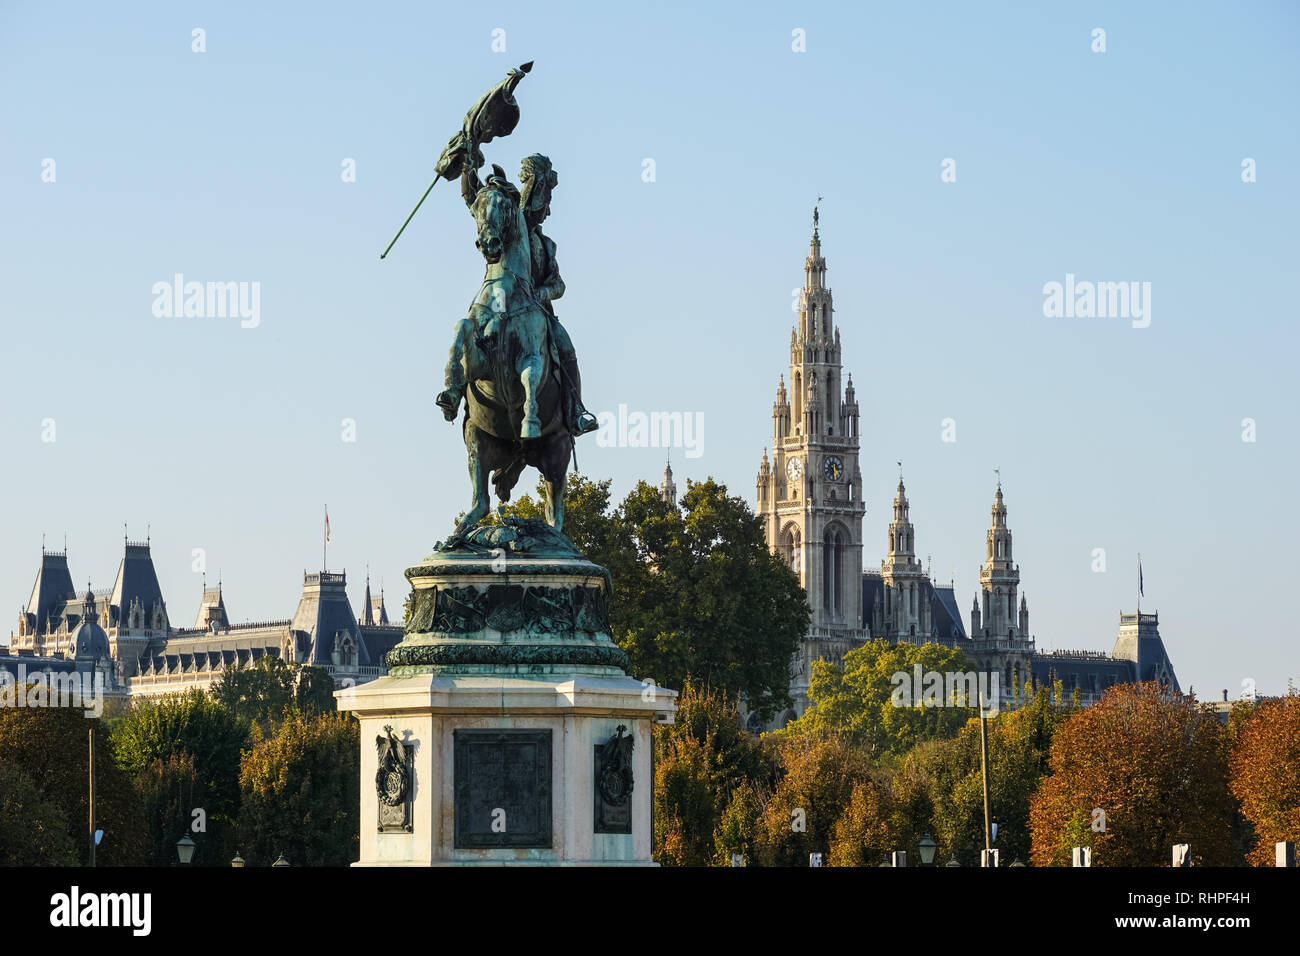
794 468
834 469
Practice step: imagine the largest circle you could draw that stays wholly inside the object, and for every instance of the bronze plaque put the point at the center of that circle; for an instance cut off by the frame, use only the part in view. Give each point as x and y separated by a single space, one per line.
612 784
503 788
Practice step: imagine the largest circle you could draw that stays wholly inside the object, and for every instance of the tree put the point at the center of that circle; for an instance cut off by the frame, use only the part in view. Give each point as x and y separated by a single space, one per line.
700 760
1265 765
315 691
1019 743
857 697
862 835
819 774
696 592
33 829
1154 764
191 724
301 793
259 693
167 787
49 747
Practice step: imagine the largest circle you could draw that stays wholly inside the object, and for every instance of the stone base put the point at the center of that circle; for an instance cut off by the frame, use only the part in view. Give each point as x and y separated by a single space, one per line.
581 712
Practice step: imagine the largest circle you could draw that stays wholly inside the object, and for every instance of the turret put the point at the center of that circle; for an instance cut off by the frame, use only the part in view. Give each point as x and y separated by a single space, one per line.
668 487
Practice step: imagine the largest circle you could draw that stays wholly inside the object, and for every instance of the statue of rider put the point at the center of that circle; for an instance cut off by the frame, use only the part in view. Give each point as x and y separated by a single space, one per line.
537 179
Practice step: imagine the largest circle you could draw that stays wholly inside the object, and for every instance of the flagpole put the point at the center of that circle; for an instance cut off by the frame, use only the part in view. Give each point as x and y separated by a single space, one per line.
410 217
325 543
1139 585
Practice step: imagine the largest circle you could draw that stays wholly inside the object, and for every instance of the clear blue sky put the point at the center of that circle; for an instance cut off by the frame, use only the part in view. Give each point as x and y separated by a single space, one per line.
225 166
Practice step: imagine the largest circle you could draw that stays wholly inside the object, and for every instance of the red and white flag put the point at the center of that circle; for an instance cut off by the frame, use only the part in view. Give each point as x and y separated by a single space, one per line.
327 523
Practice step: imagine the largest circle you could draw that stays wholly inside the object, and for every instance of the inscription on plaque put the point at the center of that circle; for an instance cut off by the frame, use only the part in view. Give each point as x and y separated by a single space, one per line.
503 788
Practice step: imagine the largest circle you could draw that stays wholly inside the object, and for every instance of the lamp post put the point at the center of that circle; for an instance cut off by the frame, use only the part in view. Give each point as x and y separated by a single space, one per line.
281 861
91 732
185 849
984 773
927 848
238 860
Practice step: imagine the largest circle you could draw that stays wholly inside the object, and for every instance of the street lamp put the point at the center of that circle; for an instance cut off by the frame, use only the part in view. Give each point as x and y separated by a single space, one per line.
952 862
238 860
185 849
927 848
281 862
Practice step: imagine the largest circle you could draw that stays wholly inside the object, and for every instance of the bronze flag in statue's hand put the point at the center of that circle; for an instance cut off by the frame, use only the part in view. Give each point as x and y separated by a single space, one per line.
495 114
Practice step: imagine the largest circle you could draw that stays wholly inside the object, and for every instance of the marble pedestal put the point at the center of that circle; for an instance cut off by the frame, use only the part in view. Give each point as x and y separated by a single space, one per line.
501 734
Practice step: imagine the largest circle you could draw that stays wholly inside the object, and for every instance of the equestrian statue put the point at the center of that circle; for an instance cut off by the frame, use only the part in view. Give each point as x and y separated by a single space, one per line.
512 364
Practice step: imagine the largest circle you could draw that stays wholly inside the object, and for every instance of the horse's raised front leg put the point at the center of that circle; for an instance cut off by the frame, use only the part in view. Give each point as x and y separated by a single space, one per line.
450 398
531 368
478 475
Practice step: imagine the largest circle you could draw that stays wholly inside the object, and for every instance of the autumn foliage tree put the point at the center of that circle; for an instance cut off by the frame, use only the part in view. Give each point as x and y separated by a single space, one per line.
1155 764
819 774
301 793
701 760
1265 765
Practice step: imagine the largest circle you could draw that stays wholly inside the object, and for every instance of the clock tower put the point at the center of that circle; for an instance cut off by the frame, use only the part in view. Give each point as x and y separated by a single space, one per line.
810 491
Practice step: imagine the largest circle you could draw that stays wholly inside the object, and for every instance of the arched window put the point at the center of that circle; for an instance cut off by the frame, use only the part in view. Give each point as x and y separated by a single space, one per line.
791 550
833 572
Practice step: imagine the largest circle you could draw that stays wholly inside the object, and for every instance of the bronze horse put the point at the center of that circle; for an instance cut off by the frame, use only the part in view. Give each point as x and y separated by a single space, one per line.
514 415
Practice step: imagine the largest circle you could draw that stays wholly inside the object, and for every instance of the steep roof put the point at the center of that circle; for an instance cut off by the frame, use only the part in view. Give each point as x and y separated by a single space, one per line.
1139 641
51 592
212 609
945 614
324 614
137 579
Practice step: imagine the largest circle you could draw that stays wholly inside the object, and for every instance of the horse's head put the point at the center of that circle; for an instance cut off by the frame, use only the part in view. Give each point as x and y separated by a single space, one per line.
496 213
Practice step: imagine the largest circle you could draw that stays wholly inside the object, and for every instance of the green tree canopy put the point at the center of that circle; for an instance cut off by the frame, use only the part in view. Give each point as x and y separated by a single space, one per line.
190 723
34 831
259 693
697 594
315 691
859 697
49 748
1019 742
